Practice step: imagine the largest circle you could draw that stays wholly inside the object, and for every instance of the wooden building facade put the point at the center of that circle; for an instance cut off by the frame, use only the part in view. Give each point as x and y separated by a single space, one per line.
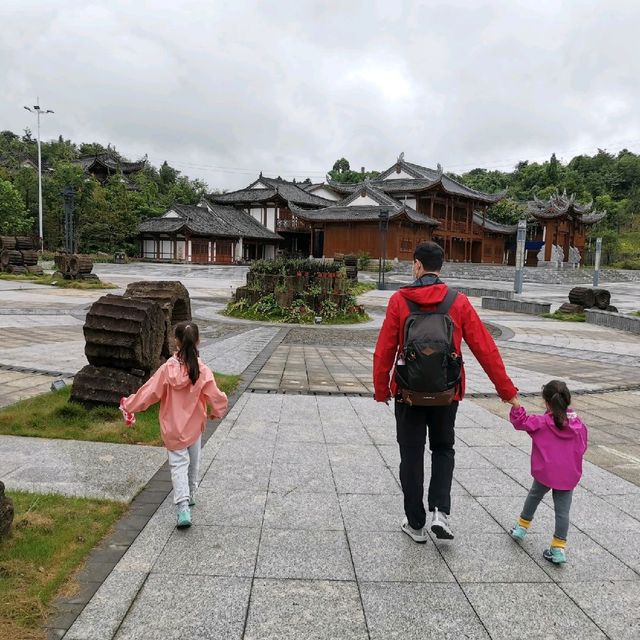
563 223
205 235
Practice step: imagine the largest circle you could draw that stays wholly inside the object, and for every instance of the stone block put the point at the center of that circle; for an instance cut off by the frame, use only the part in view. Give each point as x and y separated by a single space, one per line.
364 478
300 453
302 478
481 292
489 557
488 482
210 551
440 611
516 306
304 554
612 605
543 610
372 512
231 508
303 511
102 616
394 557
313 610
613 320
174 607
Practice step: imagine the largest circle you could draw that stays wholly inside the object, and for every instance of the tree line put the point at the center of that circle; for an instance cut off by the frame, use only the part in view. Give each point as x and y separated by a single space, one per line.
107 214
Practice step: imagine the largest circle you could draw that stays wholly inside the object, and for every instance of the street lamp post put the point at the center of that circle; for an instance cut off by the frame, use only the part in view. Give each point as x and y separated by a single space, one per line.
521 240
37 110
383 218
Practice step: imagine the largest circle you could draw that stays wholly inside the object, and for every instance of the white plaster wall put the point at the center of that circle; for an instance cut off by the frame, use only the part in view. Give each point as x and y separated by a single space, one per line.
181 249
171 214
269 252
410 202
271 218
256 212
361 202
149 249
238 251
397 176
323 192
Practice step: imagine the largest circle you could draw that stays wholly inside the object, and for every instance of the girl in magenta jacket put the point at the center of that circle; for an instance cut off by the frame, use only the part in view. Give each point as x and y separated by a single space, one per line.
559 442
187 392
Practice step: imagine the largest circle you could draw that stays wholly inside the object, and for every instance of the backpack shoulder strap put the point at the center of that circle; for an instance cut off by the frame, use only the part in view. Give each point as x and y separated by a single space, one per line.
413 306
448 301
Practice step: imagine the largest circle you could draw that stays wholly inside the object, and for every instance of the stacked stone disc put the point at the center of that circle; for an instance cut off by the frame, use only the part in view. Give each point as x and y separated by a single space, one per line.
351 266
72 266
127 338
18 255
581 298
173 298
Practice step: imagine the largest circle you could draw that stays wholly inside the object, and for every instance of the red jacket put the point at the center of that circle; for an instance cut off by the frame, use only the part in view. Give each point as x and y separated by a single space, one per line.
467 325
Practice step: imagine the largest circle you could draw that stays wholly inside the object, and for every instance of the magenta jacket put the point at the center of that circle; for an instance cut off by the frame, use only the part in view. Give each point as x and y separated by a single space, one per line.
556 454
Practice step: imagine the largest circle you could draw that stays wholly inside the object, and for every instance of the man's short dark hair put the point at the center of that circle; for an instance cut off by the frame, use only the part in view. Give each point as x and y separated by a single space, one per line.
430 255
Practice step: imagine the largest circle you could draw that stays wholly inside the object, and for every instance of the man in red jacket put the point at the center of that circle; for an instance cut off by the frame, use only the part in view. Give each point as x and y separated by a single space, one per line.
412 421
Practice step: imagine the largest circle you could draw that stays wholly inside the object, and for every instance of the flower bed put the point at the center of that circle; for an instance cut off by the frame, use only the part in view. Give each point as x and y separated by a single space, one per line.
296 291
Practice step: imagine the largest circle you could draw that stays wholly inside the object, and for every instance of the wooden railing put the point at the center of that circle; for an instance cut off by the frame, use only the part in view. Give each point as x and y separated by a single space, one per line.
293 224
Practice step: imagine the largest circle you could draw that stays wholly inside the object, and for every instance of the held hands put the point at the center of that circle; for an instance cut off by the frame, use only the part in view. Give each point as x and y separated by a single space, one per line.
514 402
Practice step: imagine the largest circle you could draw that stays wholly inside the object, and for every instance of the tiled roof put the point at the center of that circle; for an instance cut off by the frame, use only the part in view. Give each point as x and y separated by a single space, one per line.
492 225
213 220
279 190
561 204
365 213
110 162
424 180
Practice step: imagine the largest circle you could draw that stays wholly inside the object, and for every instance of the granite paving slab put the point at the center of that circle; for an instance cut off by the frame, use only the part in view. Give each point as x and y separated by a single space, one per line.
306 536
73 468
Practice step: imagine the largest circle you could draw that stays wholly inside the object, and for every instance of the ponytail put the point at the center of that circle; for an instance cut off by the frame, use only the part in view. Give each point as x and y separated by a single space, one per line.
558 397
188 335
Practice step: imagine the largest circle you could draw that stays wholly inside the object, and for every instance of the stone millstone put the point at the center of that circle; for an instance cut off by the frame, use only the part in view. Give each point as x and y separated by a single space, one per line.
124 333
174 300
79 265
584 296
100 386
568 307
602 298
6 513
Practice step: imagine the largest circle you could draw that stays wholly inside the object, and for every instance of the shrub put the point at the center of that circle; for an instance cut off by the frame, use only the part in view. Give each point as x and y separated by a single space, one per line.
364 259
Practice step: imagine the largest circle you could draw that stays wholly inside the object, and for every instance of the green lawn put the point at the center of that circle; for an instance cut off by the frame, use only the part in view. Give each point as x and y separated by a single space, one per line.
566 317
51 415
51 537
361 287
49 280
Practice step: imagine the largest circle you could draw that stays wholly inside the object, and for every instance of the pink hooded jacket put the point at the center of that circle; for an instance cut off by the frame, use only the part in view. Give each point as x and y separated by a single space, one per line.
183 406
556 454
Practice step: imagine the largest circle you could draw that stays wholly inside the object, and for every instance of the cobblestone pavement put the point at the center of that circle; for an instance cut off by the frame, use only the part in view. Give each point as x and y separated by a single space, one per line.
296 535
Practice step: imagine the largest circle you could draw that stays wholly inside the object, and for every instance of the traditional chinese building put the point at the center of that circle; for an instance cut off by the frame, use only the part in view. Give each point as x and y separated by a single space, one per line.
562 227
104 165
268 201
327 218
210 234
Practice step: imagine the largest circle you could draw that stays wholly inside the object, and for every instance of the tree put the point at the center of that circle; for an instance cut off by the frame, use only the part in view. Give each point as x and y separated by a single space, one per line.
342 173
13 217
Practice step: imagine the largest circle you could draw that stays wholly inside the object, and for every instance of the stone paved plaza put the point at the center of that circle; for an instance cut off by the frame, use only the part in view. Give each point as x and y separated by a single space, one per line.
296 529
297 535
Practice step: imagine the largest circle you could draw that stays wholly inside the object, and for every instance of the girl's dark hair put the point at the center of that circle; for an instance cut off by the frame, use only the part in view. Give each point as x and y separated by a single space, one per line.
187 335
558 397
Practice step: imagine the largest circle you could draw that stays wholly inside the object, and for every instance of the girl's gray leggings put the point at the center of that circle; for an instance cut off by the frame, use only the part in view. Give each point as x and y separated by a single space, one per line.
561 504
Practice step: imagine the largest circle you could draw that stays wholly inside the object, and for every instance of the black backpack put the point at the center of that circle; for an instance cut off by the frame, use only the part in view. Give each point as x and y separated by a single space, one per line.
428 369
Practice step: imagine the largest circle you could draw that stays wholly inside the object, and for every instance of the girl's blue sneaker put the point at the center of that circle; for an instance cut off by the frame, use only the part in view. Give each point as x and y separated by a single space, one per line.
184 518
518 532
555 555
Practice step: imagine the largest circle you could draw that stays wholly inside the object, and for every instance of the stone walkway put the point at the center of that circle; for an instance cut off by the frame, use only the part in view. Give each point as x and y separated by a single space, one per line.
296 536
85 469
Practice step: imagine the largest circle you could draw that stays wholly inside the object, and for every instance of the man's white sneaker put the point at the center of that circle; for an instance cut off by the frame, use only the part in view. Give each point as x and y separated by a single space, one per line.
418 535
440 526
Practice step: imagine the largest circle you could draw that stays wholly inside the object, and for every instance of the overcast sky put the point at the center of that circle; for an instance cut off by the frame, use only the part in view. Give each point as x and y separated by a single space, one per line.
224 89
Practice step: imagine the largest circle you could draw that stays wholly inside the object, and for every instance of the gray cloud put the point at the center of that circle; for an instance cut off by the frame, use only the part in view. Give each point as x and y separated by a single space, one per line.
224 89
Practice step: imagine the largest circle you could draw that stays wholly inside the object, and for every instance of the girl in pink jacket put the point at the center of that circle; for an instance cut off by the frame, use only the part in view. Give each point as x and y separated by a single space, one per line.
183 386
559 442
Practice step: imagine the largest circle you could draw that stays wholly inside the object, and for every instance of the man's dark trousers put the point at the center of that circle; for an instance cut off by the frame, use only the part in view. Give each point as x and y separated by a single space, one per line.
411 429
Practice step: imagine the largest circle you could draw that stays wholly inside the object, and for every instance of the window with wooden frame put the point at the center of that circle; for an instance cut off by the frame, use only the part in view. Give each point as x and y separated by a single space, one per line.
405 245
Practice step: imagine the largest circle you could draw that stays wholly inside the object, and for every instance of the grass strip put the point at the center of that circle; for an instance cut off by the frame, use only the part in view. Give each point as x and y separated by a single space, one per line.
52 415
51 537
